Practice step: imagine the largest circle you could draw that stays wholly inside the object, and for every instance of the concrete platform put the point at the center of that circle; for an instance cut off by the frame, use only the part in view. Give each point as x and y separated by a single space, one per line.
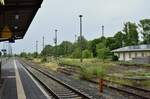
19 84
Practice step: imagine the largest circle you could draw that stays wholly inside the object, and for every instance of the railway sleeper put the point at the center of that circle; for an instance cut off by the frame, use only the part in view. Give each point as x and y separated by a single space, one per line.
73 94
62 92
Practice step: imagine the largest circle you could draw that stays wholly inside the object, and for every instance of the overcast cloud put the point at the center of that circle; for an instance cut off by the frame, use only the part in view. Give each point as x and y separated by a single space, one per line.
63 15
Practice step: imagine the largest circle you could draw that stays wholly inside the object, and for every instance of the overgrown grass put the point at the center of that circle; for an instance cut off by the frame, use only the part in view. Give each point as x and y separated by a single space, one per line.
139 83
44 59
130 63
89 72
137 74
96 68
88 62
90 68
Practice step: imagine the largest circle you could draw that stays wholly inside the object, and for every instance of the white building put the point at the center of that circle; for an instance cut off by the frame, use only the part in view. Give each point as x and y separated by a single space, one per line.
130 52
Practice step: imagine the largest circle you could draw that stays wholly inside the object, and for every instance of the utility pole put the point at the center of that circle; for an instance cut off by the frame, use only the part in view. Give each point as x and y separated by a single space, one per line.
23 50
55 41
43 42
81 58
75 37
9 49
36 48
102 30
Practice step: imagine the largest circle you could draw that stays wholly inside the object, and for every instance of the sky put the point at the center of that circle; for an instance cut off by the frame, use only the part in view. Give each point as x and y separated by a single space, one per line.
63 15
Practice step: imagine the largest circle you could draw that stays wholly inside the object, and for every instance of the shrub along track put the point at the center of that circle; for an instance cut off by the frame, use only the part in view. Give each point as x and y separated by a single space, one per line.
54 86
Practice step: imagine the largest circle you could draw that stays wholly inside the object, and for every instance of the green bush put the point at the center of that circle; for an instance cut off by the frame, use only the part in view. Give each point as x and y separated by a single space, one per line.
86 73
114 58
103 53
87 54
44 59
100 72
76 53
23 54
35 54
29 58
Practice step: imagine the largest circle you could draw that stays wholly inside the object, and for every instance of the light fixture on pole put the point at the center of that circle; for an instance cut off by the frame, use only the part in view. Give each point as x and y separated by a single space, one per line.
102 30
36 48
81 58
55 41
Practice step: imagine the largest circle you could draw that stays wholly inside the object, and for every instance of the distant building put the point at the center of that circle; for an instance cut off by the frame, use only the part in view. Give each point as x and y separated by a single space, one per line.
133 52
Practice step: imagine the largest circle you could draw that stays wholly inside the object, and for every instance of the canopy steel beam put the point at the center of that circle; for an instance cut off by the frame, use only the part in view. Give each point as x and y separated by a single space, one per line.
26 9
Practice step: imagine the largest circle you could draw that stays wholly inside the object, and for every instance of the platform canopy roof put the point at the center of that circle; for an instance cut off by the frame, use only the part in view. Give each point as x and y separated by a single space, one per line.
16 17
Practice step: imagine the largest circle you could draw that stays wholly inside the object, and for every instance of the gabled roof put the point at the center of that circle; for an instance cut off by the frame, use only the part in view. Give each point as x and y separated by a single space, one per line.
143 47
17 15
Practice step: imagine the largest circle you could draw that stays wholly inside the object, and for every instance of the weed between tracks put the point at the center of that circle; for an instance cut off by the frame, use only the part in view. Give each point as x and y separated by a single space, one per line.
92 68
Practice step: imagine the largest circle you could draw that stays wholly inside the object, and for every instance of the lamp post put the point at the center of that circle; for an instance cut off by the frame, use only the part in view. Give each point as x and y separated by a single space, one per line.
81 58
36 48
43 42
102 30
75 38
55 41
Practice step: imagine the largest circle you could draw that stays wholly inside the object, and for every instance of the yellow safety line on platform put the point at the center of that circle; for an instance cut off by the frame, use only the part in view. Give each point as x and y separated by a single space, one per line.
20 90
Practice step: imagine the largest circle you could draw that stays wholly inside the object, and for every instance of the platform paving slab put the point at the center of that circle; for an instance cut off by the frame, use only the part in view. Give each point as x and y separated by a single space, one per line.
27 88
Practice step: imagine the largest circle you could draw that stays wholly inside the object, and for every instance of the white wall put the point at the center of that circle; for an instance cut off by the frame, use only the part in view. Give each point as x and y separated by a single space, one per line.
120 55
124 56
127 56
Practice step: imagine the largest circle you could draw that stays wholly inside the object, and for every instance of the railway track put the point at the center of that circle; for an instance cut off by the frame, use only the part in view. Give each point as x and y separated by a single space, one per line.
131 90
57 88
143 93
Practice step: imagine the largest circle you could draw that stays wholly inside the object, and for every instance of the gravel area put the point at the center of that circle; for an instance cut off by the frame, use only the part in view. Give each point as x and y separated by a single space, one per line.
92 89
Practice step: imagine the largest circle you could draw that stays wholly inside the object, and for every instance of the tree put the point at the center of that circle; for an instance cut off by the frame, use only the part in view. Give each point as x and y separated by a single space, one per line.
111 43
65 48
103 53
92 48
100 46
35 54
76 53
131 34
83 43
115 57
48 50
87 54
93 43
119 38
23 54
145 26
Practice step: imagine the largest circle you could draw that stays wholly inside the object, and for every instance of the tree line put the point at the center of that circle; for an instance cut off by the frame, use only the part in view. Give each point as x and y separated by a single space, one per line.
101 47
